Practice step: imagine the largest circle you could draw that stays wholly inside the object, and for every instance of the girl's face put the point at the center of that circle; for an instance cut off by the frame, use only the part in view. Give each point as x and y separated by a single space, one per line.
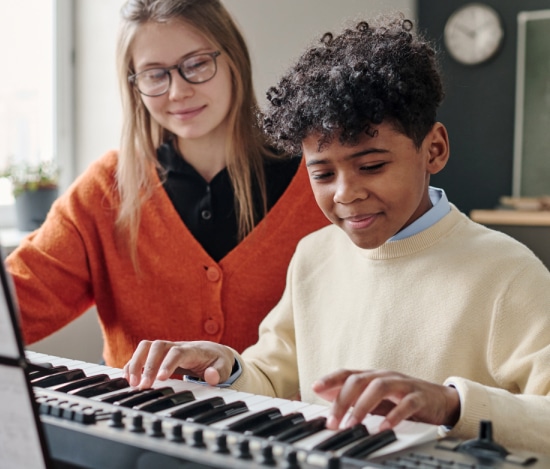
190 111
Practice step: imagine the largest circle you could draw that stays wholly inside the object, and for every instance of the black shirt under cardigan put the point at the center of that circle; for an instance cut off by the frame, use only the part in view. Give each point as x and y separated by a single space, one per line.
208 209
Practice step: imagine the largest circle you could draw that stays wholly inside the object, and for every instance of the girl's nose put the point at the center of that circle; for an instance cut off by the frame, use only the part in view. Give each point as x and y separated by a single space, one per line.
179 88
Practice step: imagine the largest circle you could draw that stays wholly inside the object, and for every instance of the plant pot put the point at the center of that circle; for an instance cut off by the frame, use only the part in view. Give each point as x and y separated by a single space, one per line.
31 207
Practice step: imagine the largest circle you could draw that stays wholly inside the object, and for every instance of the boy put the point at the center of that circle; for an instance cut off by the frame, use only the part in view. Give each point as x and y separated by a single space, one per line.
404 307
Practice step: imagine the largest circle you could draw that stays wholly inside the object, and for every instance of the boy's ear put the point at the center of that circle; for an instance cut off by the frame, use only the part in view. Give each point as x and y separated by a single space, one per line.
436 144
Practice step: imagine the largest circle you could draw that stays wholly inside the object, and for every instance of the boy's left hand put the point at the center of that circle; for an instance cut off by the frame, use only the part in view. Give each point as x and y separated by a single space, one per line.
396 396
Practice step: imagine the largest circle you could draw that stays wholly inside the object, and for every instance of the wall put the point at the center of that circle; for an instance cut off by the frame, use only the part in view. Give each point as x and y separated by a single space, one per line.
478 110
276 32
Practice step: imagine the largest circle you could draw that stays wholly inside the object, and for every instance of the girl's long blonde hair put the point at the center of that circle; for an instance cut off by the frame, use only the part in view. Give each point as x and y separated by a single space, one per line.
141 135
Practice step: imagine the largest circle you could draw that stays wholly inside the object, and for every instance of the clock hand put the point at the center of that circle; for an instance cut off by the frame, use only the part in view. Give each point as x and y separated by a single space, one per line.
469 32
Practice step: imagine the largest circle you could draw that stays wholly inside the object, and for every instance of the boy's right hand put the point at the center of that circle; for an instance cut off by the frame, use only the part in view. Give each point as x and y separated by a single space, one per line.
159 359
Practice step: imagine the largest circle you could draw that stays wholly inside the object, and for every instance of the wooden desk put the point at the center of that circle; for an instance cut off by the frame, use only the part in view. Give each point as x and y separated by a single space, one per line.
532 228
511 217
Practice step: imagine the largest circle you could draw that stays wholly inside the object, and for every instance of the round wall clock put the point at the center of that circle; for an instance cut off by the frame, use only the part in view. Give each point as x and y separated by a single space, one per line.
473 33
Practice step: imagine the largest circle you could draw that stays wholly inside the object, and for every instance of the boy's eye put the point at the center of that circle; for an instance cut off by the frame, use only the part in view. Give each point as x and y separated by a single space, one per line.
319 176
373 167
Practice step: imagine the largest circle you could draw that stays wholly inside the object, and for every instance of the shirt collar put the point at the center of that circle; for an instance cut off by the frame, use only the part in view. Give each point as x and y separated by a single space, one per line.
440 208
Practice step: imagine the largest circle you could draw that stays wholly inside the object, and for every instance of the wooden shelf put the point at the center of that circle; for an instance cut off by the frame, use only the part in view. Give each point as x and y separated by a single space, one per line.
511 217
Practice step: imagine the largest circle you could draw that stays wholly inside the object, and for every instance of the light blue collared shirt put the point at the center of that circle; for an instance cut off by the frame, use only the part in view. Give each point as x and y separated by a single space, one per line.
441 207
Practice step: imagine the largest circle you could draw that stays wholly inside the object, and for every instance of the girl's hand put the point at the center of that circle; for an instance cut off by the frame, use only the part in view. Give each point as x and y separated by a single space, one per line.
159 359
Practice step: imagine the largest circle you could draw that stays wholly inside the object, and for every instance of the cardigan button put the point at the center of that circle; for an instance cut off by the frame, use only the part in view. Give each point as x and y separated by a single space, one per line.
211 327
212 274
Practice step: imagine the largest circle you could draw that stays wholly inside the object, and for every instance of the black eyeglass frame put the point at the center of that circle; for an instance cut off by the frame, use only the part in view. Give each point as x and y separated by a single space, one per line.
133 78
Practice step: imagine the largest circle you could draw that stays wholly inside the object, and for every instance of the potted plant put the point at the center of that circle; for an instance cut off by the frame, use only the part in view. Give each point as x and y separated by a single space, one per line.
34 188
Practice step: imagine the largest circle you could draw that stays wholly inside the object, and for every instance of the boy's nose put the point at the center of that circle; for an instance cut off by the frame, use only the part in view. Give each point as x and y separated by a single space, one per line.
348 190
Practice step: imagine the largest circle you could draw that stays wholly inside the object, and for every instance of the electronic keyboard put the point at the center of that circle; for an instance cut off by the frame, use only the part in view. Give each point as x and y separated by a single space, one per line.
93 419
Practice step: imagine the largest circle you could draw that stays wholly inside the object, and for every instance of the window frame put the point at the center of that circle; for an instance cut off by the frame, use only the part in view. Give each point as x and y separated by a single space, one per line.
63 101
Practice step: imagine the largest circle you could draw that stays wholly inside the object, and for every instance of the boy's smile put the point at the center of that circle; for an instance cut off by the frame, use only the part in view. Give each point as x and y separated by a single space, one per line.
378 187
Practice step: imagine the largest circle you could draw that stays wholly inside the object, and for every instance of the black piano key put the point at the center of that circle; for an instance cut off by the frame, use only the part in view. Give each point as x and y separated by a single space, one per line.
144 396
342 438
78 383
276 426
39 366
97 389
166 402
370 444
301 430
120 395
251 421
58 378
190 410
39 371
220 413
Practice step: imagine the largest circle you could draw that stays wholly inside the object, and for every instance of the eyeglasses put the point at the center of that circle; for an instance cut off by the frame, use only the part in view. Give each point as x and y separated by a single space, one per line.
195 69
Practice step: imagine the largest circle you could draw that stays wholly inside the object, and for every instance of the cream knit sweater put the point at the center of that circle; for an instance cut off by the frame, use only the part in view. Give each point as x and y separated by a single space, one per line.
457 303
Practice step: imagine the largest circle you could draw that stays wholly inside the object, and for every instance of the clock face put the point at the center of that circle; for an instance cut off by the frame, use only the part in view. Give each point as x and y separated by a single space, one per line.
473 33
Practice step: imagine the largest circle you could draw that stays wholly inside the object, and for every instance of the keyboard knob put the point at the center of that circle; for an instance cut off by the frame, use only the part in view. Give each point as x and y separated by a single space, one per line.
221 444
292 460
243 449
267 458
176 434
156 429
137 424
116 420
197 439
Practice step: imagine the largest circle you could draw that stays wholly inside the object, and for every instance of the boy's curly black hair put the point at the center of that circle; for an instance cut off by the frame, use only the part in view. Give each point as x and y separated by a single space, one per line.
379 71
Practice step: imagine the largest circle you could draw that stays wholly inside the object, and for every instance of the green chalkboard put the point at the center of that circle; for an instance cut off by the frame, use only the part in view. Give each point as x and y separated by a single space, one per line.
531 176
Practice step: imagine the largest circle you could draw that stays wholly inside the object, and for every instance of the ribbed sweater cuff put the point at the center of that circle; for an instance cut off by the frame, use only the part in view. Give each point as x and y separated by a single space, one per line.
474 406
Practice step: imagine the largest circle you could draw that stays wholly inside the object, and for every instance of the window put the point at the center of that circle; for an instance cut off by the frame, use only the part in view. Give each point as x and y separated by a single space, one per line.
35 89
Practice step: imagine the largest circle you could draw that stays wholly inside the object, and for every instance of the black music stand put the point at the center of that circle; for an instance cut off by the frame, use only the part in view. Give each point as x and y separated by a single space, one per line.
22 440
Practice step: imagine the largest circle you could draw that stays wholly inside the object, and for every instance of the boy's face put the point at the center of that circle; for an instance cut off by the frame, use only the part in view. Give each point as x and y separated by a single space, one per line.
378 187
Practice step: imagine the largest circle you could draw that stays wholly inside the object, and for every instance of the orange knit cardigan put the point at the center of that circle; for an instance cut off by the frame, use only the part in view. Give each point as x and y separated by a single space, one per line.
73 262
